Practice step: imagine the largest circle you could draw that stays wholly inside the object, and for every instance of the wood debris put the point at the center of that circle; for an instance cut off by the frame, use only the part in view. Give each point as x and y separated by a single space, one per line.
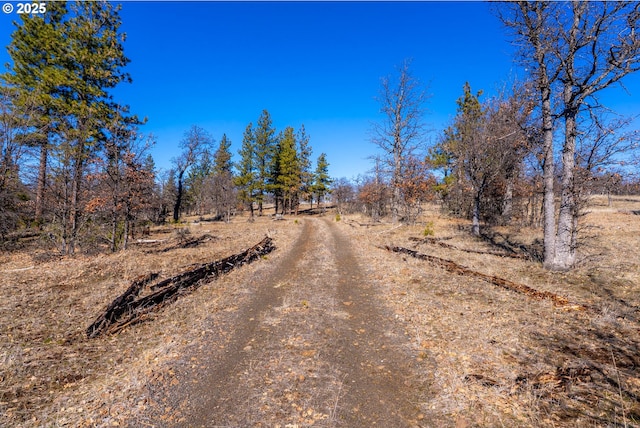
454 267
435 241
128 308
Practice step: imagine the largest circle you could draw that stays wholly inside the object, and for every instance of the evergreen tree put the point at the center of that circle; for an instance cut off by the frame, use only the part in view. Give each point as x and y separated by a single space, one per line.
38 75
221 180
289 178
322 181
274 186
304 158
245 179
11 187
222 157
471 147
95 59
263 154
196 182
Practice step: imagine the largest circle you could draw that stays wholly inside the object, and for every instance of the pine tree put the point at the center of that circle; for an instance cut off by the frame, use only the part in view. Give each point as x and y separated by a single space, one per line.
95 59
306 174
222 157
289 178
196 180
471 148
274 185
322 181
263 153
221 179
245 179
11 187
38 75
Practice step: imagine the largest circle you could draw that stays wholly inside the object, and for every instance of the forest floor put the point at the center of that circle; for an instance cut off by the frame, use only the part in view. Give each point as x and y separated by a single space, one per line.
332 329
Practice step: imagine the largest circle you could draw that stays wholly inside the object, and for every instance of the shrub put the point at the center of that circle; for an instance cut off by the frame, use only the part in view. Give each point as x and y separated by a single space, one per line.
428 229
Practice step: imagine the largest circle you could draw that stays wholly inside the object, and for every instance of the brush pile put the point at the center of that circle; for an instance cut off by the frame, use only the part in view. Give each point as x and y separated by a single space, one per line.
129 308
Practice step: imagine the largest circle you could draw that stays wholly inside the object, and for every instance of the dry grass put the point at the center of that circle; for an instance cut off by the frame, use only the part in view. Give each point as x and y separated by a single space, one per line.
489 356
52 375
500 358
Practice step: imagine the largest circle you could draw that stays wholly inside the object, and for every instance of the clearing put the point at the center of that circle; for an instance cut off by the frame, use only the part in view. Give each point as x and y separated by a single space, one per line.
332 329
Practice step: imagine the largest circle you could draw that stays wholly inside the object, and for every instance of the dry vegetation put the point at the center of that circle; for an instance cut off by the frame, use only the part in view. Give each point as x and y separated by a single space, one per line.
491 356
52 375
501 358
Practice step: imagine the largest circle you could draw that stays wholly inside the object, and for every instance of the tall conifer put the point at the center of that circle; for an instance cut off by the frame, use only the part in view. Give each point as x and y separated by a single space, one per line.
264 147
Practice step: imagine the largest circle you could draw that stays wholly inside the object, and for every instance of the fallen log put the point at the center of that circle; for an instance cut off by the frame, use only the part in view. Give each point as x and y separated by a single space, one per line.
119 306
453 267
435 241
128 308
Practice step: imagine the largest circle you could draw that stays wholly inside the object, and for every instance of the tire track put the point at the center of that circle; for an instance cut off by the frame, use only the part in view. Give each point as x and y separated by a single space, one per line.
311 347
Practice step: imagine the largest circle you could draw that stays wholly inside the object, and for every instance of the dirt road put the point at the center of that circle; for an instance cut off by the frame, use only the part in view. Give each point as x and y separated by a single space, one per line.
310 345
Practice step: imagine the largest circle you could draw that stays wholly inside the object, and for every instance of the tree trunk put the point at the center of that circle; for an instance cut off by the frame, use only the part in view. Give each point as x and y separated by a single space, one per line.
74 217
114 230
125 233
41 183
177 205
475 228
507 204
397 174
548 172
276 199
565 256
395 202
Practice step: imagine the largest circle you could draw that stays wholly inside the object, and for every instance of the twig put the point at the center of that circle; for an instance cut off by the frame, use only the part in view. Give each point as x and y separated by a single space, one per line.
17 270
624 415
149 241
389 230
335 405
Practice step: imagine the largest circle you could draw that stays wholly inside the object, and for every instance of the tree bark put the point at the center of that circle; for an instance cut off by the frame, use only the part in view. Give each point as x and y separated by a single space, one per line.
475 227
41 183
548 173
507 204
548 166
74 216
565 255
178 204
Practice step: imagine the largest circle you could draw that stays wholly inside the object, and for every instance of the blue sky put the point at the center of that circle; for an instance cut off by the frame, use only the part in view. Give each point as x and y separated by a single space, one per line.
219 64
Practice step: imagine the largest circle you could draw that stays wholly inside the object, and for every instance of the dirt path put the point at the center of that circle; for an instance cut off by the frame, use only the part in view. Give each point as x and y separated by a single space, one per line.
310 346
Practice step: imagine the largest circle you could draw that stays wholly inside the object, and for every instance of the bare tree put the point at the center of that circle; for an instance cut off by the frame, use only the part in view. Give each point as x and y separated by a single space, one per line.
604 153
343 193
574 49
402 129
195 141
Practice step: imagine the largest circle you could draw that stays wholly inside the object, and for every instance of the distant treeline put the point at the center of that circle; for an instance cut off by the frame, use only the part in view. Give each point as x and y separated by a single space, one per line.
75 166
